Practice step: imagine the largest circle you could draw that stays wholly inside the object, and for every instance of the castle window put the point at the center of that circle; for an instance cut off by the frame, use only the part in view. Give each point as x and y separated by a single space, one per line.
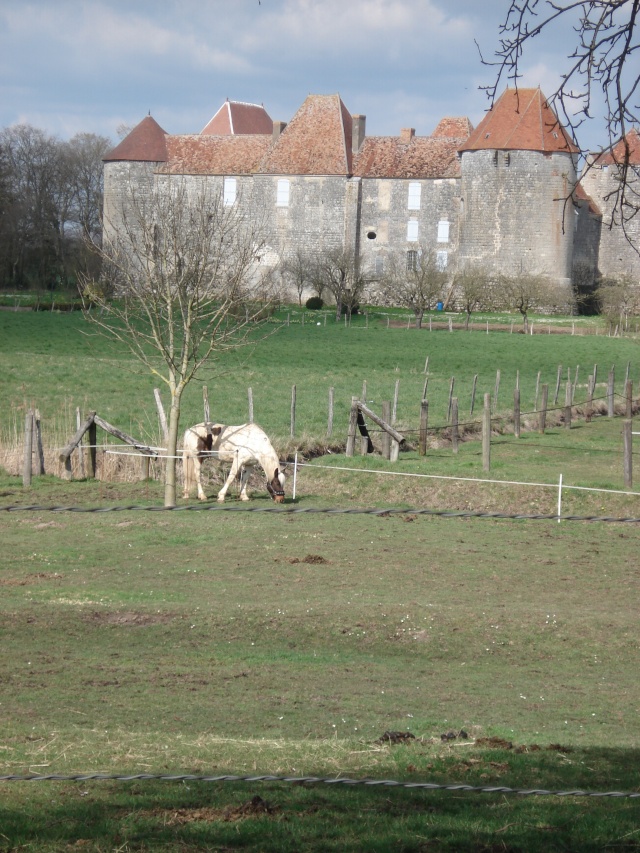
230 189
443 231
412 231
414 196
371 235
495 158
412 260
507 158
282 197
441 260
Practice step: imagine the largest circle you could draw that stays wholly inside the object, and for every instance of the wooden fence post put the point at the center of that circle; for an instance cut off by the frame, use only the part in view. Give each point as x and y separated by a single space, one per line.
28 449
451 384
424 421
486 434
628 464
454 424
473 393
567 406
610 392
80 444
628 393
161 414
386 438
39 448
497 391
588 413
535 405
91 450
542 422
330 418
555 398
250 396
516 412
353 422
394 410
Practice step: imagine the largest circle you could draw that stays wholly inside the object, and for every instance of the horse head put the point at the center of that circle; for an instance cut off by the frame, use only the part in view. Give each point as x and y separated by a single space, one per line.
275 486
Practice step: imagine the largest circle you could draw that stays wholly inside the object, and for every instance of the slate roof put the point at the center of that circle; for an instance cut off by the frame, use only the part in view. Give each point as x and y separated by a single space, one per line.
236 117
617 153
317 141
520 120
145 143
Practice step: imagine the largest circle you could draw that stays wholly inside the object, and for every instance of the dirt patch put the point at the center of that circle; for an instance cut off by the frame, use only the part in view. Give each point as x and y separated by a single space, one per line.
256 807
311 559
128 618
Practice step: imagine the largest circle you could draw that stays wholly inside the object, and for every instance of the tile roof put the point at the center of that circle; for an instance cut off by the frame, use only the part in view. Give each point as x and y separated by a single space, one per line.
317 140
520 120
145 143
422 157
456 127
236 117
617 153
215 155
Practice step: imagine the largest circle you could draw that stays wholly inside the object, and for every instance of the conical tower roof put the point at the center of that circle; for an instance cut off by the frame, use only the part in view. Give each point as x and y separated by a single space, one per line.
521 120
146 143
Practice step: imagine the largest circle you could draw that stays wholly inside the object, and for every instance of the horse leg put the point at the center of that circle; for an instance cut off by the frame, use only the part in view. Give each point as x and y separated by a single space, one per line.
244 479
197 465
232 475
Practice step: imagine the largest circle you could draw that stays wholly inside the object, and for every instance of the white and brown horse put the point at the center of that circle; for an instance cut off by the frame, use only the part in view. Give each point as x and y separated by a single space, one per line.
243 446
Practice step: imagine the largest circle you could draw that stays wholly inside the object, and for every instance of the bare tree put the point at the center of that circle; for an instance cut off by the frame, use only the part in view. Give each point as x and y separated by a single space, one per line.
473 290
526 292
416 282
602 69
182 284
342 273
297 272
618 299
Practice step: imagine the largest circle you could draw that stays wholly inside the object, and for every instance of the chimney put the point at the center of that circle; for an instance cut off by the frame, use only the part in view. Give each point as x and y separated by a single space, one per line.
407 134
358 131
278 127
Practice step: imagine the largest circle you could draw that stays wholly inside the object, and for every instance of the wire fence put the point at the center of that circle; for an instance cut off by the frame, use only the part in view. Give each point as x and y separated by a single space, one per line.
314 780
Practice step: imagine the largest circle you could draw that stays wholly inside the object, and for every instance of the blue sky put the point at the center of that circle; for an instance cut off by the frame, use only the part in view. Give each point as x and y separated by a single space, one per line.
71 66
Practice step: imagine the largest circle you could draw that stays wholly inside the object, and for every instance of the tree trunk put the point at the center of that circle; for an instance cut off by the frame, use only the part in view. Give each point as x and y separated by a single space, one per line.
172 447
419 316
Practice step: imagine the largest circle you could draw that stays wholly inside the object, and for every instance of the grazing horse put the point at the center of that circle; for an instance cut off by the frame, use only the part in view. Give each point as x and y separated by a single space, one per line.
244 446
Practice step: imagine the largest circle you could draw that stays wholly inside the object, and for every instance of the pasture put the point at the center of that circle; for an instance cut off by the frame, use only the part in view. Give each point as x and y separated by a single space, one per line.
233 642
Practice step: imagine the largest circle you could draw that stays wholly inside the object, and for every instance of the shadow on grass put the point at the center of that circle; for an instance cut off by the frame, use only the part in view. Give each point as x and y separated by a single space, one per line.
155 815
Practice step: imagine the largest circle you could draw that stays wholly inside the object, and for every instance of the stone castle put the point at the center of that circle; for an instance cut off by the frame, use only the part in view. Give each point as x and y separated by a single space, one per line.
505 196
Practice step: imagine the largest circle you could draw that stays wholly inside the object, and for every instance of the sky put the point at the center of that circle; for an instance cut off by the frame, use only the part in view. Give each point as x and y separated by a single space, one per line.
93 66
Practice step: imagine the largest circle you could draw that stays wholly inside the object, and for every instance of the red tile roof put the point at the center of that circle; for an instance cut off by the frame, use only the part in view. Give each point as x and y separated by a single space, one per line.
236 117
520 120
317 140
146 143
215 155
422 157
453 128
617 154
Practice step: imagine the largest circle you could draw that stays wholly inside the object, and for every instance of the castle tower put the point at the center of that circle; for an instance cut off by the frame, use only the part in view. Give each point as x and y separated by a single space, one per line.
518 168
601 180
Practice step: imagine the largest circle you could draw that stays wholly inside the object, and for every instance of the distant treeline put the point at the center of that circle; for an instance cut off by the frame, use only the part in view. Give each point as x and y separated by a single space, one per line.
50 203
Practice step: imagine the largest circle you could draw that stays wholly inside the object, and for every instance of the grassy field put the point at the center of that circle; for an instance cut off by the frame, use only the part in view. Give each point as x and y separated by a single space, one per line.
288 644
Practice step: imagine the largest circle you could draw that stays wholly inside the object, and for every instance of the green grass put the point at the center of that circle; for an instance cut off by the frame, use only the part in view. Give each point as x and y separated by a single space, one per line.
55 362
244 643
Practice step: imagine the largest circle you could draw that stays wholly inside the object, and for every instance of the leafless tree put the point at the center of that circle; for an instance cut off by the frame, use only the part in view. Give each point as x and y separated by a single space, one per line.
474 290
618 299
342 272
601 75
297 272
526 292
182 284
415 281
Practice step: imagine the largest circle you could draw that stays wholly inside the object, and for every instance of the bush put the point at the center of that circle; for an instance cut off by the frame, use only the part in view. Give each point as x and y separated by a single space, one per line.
314 303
